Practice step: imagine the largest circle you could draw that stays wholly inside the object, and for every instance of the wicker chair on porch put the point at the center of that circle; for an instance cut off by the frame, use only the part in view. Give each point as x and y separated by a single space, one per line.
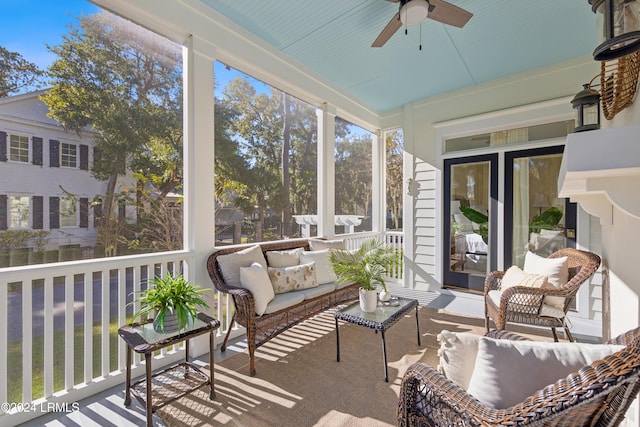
520 304
598 394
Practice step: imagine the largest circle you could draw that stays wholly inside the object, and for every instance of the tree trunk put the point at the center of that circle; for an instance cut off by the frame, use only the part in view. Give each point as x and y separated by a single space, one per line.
286 178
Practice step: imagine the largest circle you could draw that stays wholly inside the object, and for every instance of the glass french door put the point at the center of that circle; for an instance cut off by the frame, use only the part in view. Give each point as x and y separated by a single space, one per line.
470 220
536 219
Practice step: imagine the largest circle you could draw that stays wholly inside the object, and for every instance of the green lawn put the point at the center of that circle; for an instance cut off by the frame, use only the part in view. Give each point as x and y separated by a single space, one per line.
14 362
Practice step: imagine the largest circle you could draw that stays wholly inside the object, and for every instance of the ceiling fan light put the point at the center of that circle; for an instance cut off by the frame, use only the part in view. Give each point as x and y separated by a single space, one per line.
413 12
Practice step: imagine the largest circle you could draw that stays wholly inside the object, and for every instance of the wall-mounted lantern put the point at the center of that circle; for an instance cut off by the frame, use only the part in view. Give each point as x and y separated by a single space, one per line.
620 26
586 103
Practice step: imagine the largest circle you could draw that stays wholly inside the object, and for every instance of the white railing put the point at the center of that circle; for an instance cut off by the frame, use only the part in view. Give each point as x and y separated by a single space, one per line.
58 333
394 239
58 337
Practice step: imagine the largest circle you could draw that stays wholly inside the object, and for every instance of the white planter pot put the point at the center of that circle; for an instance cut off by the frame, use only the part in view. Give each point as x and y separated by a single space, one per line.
368 300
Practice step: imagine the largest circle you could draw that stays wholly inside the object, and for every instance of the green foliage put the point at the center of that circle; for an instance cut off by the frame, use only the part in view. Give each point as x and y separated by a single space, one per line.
17 74
479 218
16 239
367 266
170 295
547 220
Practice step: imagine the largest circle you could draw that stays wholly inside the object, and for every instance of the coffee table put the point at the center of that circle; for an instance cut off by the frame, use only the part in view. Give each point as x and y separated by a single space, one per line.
385 316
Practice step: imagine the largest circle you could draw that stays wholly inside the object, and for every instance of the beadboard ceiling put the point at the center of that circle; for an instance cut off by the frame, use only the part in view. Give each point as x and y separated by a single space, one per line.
332 38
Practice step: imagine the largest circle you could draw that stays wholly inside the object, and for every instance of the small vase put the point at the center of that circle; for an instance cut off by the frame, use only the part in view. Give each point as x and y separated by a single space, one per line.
385 295
368 300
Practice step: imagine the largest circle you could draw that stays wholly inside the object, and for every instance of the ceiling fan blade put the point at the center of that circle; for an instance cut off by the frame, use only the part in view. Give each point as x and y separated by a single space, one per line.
393 1
388 31
448 13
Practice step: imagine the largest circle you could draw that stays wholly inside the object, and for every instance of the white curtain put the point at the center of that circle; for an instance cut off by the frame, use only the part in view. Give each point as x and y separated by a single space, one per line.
520 210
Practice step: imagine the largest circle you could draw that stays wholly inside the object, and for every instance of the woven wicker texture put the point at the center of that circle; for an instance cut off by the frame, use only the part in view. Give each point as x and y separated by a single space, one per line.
597 395
618 83
519 304
260 329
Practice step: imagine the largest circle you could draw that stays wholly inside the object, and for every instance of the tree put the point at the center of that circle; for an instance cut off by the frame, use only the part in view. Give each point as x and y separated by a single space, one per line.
126 83
17 74
394 152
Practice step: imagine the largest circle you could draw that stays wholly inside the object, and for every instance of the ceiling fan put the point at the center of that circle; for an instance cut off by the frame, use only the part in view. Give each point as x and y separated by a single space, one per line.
413 12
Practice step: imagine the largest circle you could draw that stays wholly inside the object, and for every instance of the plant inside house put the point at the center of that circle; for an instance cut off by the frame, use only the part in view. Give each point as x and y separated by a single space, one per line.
174 301
367 266
479 218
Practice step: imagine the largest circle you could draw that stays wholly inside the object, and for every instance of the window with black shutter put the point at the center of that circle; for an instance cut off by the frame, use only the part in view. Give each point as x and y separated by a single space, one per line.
38 217
54 212
84 212
84 157
54 153
37 151
3 146
3 212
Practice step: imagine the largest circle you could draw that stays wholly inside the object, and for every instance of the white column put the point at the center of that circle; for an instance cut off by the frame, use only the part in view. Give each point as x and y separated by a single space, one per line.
378 186
408 220
199 207
326 170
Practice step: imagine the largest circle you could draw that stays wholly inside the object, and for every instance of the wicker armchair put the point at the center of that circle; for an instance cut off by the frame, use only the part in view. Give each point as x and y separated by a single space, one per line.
597 395
520 304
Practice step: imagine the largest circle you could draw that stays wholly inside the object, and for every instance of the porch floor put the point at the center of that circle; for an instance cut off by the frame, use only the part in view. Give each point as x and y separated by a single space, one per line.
106 408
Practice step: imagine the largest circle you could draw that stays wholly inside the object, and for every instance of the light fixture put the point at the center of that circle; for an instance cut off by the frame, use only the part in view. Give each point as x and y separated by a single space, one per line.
620 26
586 103
413 12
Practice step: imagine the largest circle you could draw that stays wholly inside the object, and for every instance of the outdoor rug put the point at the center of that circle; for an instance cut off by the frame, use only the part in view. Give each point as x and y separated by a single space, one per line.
299 382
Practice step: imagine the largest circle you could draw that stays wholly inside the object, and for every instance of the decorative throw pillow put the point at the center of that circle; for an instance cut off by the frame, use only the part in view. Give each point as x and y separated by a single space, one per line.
324 269
230 264
284 258
506 372
514 276
556 269
319 244
457 354
289 279
255 279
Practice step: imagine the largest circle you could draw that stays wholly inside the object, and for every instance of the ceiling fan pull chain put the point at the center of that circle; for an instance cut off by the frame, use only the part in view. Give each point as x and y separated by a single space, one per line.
420 36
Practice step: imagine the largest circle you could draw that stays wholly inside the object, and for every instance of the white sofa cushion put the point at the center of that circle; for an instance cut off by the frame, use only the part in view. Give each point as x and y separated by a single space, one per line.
255 279
457 355
294 278
230 263
288 258
283 301
324 269
320 244
506 372
310 293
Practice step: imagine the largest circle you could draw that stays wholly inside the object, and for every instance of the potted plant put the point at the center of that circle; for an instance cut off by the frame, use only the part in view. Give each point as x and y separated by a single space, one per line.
367 266
174 301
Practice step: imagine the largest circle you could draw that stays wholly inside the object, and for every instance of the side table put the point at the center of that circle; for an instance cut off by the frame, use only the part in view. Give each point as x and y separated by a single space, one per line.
174 381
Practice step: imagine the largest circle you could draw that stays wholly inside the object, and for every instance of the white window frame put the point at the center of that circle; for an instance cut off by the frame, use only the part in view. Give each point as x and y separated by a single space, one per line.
66 157
10 147
22 222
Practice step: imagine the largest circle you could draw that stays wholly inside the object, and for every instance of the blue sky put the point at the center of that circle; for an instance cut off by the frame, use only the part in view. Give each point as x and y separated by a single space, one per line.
28 25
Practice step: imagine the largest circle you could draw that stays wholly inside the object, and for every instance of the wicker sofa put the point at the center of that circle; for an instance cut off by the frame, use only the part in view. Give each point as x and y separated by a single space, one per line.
260 329
598 394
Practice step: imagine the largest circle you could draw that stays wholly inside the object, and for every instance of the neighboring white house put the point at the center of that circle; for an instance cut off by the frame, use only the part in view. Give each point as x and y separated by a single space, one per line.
45 175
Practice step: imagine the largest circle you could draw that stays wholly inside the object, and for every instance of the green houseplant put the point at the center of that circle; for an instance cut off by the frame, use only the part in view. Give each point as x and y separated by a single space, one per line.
174 300
368 266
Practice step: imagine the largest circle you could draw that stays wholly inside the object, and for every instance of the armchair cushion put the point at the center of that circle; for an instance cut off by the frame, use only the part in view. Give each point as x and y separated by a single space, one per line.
556 269
457 353
506 372
514 276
